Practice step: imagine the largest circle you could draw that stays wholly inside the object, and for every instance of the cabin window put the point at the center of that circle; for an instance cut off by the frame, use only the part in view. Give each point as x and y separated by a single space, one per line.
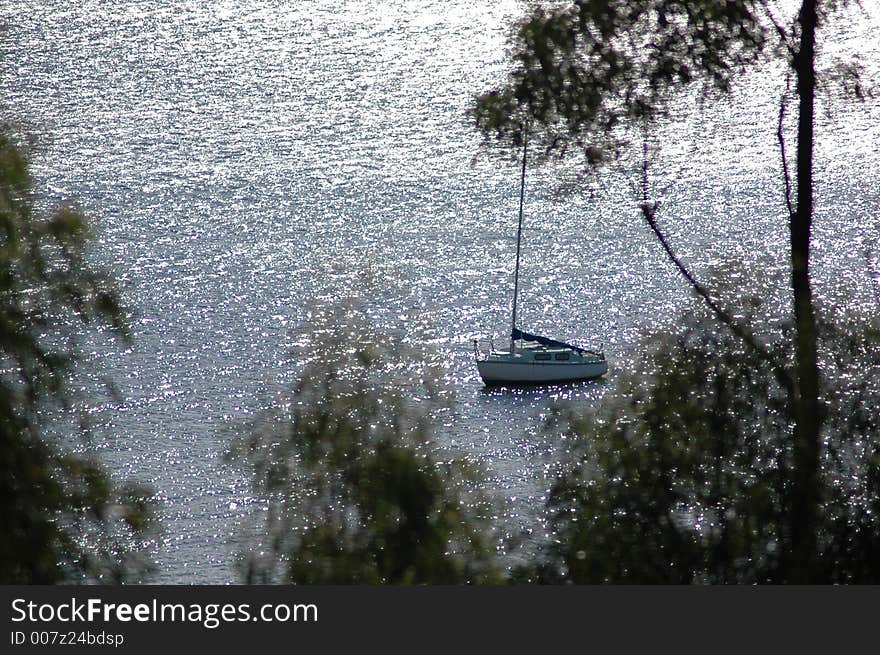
562 357
542 357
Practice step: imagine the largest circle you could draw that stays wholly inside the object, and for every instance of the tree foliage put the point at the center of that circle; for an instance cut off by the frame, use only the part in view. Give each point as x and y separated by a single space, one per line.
588 73
62 518
354 490
686 475
583 70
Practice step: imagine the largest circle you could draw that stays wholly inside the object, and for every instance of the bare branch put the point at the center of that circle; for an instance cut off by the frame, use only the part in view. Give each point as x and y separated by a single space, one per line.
645 173
649 211
872 273
783 35
780 135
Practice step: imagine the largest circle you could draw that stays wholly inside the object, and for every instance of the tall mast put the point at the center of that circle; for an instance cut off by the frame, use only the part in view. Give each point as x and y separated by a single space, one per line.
522 191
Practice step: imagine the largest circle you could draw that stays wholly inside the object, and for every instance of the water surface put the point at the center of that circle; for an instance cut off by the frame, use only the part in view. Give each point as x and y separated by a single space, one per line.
247 161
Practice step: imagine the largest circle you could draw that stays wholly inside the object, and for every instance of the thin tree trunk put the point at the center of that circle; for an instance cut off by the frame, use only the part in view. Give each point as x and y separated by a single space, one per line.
805 490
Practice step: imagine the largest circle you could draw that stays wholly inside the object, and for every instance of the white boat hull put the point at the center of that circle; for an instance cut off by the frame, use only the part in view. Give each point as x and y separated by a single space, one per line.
531 372
536 359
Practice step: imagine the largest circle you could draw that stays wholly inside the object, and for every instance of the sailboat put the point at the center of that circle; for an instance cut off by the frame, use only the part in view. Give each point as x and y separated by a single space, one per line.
534 359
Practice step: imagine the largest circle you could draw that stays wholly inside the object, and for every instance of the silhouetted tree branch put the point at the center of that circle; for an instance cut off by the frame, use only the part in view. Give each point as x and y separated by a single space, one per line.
780 136
873 273
649 213
584 69
62 517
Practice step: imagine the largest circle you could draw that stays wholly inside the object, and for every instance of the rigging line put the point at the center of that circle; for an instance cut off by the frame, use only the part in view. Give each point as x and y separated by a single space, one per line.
522 191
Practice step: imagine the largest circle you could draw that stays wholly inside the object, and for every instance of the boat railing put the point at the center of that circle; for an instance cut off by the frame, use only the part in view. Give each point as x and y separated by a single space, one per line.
485 346
600 354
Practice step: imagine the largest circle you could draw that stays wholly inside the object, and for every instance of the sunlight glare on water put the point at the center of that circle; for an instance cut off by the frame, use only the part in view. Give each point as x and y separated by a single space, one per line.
246 162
